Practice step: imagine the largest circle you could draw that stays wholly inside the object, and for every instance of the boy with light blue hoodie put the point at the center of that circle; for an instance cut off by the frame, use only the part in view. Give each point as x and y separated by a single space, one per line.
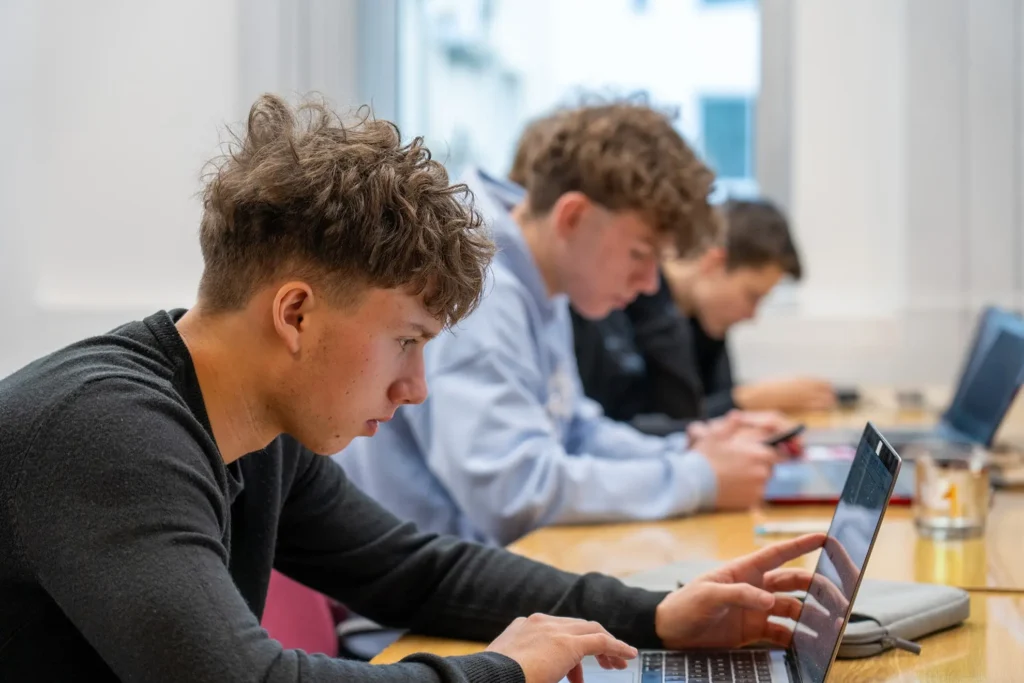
506 441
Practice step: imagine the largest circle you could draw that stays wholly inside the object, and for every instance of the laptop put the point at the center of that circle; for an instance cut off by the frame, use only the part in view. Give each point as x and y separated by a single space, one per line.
827 606
993 379
988 384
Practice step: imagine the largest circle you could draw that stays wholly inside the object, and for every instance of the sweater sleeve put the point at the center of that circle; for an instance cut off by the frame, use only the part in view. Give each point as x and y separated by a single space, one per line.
121 519
436 585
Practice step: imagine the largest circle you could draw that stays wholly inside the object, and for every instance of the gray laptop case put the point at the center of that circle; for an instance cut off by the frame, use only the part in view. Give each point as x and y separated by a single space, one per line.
886 614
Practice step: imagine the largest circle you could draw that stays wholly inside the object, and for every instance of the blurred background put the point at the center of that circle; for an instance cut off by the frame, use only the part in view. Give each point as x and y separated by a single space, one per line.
891 131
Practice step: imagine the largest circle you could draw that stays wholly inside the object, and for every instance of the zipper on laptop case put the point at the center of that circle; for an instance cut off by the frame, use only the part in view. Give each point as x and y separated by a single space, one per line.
902 644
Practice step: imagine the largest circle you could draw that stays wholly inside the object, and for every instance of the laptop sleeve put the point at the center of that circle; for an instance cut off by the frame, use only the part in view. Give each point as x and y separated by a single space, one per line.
886 614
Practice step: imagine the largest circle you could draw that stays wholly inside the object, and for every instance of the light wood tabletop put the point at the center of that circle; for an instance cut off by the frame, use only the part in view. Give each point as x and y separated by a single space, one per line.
985 648
988 647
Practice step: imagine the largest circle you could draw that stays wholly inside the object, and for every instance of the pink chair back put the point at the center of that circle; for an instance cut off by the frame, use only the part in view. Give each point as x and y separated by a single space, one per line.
299 618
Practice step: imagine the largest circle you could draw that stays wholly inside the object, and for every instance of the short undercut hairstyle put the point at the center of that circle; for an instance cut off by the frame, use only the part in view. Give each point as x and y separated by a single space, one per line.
344 206
757 235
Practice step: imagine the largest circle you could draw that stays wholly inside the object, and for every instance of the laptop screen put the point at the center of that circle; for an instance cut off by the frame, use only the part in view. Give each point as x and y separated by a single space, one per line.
854 526
983 401
984 393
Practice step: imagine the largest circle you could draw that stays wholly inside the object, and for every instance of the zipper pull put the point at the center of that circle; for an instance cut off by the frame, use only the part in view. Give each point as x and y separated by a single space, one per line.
906 645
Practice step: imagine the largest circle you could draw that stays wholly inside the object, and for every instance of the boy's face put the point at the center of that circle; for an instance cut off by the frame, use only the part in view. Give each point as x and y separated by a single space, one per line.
724 296
605 259
356 365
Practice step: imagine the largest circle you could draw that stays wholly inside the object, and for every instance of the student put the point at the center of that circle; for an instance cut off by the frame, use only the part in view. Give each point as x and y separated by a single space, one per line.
629 361
507 443
151 477
724 286
664 359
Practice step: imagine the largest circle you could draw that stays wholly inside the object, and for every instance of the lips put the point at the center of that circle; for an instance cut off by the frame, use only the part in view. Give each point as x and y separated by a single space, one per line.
373 425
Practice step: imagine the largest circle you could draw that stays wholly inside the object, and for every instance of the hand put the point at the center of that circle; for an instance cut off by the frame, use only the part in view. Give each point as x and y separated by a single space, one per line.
550 648
786 394
757 424
764 424
729 607
742 465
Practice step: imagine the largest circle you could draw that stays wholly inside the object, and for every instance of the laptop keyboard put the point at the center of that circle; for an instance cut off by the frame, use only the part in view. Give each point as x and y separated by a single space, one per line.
705 667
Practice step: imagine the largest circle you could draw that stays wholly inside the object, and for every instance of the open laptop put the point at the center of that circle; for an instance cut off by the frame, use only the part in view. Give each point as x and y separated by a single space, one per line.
973 418
827 606
989 381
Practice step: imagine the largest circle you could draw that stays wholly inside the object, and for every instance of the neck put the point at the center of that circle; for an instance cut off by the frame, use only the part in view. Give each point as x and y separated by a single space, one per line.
682 279
221 348
536 237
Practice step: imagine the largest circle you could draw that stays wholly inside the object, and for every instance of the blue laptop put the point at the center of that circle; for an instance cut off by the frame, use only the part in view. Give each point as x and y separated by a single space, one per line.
989 380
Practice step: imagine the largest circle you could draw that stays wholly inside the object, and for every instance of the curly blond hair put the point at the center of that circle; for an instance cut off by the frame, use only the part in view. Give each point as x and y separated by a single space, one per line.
624 156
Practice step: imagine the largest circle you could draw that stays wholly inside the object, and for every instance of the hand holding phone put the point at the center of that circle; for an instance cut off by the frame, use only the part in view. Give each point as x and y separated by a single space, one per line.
784 440
782 437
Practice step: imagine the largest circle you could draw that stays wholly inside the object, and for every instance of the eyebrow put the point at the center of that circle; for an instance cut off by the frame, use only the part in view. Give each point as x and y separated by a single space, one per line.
423 331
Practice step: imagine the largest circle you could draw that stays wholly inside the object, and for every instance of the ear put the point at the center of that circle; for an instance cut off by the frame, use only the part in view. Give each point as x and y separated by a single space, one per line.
712 260
568 213
292 304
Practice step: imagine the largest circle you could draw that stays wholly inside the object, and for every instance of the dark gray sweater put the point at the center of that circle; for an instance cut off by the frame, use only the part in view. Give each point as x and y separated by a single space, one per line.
129 551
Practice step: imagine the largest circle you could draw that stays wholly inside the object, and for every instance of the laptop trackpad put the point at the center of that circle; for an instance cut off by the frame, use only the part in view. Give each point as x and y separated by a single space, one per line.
605 676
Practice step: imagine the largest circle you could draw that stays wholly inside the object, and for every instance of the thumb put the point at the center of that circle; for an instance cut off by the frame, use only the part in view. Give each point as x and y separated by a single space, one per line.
744 596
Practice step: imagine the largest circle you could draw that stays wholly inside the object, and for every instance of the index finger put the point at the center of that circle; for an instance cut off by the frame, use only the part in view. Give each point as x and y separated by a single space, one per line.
780 553
602 644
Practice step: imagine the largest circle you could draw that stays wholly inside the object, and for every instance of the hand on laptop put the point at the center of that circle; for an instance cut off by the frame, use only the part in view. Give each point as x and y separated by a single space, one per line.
550 648
786 394
729 607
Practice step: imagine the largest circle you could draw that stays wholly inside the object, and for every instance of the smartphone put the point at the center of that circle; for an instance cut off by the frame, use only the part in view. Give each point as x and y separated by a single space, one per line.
847 397
785 436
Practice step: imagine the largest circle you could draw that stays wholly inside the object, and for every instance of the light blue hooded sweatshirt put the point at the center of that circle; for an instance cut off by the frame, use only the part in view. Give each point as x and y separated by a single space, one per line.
507 442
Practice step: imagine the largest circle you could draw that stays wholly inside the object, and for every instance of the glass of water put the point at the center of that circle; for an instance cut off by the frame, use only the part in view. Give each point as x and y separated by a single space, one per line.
953 489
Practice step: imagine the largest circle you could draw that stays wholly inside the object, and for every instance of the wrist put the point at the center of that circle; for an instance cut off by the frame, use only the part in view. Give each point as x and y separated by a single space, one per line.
745 397
660 624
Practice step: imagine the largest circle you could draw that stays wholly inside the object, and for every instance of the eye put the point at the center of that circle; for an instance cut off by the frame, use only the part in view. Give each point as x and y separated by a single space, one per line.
639 254
407 342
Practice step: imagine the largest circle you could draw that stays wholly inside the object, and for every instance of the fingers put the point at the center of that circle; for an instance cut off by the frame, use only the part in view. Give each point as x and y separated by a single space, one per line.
742 595
607 662
778 554
578 627
576 674
777 634
602 644
786 580
787 607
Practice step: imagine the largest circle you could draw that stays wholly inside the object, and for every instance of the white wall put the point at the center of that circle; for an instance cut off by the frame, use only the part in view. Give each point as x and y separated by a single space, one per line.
110 109
902 169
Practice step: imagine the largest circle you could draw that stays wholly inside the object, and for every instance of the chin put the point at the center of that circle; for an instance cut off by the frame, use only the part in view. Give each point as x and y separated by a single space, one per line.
595 311
329 446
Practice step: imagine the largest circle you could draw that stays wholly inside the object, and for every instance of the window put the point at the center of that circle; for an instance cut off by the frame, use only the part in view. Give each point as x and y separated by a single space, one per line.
473 72
727 127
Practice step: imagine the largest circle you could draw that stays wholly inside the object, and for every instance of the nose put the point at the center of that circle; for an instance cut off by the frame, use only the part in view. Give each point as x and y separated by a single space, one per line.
411 389
649 279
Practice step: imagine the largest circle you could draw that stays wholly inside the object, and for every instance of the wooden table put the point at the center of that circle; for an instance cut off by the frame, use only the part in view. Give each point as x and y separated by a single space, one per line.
988 647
